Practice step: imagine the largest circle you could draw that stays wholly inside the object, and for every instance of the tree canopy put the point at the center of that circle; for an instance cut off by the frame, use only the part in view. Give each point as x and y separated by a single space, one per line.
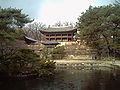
15 61
100 28
11 18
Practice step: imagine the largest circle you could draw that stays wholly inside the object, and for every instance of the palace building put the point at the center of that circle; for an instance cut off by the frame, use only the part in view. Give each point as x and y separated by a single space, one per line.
53 36
59 34
29 40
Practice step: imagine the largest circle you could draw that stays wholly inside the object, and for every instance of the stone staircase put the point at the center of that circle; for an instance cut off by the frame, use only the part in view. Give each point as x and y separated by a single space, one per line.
79 52
71 52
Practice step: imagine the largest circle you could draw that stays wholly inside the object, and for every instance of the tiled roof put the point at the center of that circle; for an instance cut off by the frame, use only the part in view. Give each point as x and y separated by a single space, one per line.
50 43
59 29
31 39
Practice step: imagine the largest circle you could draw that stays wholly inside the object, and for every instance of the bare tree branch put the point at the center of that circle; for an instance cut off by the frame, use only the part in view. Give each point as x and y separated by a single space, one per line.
33 30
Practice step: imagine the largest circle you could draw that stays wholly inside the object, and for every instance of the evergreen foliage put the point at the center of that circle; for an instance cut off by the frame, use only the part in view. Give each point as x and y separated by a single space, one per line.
58 52
11 19
100 28
14 62
26 61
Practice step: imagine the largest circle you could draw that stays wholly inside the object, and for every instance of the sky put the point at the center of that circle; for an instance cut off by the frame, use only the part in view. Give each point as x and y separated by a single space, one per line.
51 11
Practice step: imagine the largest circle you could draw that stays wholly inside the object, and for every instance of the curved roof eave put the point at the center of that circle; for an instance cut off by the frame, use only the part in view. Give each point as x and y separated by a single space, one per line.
58 30
31 39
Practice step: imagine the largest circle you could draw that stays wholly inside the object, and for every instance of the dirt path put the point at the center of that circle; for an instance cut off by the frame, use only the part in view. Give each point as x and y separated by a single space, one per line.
74 61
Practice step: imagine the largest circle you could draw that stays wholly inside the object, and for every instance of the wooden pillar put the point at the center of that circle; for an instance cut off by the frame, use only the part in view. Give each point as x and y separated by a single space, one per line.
67 37
55 37
61 37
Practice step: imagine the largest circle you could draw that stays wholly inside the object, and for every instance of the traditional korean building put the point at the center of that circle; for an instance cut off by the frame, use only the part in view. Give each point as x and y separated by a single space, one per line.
50 44
29 40
59 34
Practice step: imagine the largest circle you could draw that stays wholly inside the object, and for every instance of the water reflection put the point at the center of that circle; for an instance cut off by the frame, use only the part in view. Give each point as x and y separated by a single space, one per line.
70 79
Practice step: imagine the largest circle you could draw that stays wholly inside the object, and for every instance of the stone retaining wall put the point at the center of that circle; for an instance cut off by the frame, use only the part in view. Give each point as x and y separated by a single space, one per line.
87 64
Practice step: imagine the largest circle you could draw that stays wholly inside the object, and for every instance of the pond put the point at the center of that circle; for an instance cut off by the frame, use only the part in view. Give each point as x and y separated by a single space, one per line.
70 79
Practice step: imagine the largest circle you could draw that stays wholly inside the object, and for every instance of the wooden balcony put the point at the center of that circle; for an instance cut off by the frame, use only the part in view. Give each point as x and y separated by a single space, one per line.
59 36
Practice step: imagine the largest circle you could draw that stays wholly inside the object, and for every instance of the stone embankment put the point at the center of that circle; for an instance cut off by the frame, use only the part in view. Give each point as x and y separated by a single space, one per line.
79 52
87 63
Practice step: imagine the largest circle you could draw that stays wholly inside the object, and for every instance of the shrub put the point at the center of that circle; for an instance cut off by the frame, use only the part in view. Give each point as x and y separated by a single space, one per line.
58 52
26 61
45 67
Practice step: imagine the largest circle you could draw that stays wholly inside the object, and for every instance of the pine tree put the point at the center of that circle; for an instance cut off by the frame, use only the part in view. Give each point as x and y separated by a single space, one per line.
100 28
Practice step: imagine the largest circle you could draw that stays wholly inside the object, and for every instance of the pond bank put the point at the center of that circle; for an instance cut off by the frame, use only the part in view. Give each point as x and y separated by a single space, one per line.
88 63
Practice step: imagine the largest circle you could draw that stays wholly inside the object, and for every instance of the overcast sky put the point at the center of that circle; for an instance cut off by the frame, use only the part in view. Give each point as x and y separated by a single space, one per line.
51 11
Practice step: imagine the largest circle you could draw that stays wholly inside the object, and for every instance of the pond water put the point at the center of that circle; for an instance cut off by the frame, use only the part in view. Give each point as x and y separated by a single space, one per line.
70 79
